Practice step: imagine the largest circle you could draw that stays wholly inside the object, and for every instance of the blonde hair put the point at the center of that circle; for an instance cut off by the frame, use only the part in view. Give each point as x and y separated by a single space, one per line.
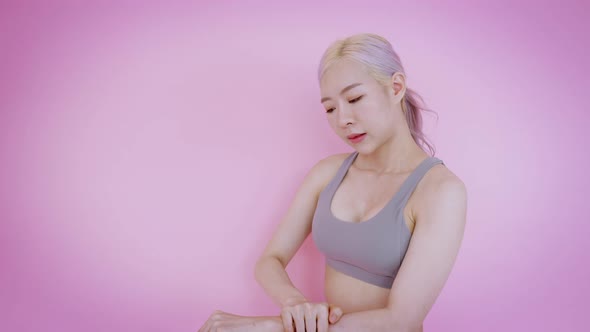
381 61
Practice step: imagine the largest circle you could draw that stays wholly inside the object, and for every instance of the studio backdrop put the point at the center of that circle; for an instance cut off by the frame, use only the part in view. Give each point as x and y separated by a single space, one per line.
149 151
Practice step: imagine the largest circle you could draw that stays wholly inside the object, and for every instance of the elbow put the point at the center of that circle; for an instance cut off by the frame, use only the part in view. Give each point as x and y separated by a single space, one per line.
409 328
404 326
403 323
396 326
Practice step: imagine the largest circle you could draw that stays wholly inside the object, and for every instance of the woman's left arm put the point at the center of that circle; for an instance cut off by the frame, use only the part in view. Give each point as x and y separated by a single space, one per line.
426 266
221 321
428 262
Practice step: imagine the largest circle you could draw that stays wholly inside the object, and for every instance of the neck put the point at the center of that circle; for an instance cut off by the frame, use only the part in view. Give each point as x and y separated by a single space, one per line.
398 155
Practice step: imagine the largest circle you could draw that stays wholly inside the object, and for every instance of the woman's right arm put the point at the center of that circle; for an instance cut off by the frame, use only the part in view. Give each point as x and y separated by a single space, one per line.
291 232
271 275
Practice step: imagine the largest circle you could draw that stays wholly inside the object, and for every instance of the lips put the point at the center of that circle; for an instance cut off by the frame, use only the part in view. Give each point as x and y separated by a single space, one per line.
353 136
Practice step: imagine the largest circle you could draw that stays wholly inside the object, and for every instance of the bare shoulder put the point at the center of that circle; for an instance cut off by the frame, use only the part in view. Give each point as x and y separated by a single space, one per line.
439 183
441 175
325 169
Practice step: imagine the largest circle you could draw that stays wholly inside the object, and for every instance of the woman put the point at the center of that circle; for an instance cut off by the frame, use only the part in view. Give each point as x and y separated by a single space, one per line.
389 217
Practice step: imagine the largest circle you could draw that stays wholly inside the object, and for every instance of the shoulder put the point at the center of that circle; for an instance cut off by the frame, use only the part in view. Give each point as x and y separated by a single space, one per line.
325 169
440 177
333 160
440 186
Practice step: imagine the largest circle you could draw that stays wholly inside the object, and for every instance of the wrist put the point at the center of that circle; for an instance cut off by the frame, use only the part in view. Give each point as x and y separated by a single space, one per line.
273 324
294 300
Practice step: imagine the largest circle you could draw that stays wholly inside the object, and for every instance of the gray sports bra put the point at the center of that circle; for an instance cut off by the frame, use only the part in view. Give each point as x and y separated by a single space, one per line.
372 250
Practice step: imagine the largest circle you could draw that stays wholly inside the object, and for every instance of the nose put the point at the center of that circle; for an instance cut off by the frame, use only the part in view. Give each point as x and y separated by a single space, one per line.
345 117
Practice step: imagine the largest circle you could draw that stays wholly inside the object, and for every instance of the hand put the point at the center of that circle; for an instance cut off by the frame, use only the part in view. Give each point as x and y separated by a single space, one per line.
306 316
220 321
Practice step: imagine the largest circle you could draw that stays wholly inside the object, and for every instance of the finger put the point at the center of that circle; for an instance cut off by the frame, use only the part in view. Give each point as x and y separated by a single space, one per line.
335 314
322 321
310 319
207 326
218 325
299 318
202 329
287 321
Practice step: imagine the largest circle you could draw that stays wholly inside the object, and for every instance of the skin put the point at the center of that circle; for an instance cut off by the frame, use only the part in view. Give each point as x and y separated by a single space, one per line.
435 212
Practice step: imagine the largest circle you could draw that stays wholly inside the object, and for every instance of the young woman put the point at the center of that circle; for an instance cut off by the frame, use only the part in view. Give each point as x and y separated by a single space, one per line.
389 216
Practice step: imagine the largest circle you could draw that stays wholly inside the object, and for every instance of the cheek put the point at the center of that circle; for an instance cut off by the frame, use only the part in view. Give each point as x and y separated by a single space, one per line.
370 116
332 122
378 122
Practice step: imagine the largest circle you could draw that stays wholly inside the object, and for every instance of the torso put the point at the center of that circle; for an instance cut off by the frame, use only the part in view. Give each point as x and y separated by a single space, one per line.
359 197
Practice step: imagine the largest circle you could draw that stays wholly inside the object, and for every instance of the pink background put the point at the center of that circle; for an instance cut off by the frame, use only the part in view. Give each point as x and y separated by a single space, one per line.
149 151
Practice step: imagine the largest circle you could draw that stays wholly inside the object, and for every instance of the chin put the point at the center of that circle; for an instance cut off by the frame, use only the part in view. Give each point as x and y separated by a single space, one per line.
362 148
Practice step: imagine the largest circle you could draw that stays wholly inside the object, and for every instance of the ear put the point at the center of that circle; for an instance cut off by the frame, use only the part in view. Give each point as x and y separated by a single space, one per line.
398 83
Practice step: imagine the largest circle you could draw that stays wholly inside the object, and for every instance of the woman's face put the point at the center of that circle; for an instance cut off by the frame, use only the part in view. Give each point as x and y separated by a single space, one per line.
355 103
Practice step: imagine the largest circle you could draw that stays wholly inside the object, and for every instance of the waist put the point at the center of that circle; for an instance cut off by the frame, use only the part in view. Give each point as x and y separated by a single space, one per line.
352 294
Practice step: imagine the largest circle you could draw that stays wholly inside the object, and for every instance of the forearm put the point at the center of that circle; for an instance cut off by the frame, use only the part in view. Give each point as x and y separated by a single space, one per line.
369 320
273 278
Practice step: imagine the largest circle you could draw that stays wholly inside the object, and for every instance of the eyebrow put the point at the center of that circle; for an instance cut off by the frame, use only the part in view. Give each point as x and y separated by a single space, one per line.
343 91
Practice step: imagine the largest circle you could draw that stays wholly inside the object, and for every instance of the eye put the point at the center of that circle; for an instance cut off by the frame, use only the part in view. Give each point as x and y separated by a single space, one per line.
356 99
350 101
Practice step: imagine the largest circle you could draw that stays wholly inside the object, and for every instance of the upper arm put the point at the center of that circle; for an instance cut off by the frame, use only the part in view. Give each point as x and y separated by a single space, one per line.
431 253
295 225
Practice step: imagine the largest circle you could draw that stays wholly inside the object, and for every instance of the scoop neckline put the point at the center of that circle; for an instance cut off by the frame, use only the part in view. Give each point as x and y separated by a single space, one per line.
396 196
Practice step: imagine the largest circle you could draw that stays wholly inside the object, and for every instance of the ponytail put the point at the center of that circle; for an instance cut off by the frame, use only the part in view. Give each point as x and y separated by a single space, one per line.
413 106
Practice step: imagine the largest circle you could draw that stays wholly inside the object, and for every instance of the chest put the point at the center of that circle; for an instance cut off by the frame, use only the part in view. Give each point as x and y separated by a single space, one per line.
360 198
